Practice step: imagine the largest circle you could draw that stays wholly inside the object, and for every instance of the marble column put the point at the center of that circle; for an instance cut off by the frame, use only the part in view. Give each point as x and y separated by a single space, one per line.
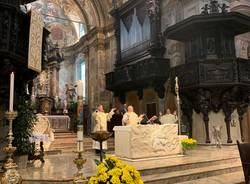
242 6
54 68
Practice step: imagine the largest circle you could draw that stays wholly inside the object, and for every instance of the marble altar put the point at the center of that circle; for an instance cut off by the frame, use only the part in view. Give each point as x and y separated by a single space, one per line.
147 141
60 123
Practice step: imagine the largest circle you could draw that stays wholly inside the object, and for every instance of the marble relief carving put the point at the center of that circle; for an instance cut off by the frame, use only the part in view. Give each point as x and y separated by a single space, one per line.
154 141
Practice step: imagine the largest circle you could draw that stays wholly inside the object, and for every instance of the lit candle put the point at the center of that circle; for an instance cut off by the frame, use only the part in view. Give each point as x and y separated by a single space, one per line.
80 88
11 92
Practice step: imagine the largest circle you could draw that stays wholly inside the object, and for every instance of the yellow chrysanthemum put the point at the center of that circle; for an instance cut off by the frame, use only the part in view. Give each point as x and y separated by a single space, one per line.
102 168
115 172
93 180
103 177
115 180
120 164
126 177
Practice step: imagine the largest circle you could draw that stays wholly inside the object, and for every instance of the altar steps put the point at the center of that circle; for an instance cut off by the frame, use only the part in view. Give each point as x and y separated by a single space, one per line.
231 178
66 143
192 172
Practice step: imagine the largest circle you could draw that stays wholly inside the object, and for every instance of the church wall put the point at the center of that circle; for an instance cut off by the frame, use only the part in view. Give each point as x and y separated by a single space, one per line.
98 49
132 99
66 76
101 59
215 119
149 97
93 77
172 12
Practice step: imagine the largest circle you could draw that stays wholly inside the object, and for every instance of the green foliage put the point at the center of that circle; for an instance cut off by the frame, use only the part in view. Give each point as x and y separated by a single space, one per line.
22 126
72 107
97 162
188 143
73 115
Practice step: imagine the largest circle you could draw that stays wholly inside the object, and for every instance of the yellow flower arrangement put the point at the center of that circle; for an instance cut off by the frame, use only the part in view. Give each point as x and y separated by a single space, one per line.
114 171
188 143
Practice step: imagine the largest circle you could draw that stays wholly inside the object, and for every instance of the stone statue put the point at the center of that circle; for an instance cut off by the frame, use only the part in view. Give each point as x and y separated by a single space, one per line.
224 8
42 83
65 107
153 7
205 9
217 135
57 104
70 92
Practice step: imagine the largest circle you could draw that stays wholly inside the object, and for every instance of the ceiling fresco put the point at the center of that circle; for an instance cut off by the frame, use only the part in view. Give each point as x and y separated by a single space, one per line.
63 18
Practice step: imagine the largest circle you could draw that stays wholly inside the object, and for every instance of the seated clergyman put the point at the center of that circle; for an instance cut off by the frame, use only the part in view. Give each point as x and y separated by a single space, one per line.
130 117
168 118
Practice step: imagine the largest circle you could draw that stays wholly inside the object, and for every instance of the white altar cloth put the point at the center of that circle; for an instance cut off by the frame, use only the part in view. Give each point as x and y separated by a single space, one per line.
147 141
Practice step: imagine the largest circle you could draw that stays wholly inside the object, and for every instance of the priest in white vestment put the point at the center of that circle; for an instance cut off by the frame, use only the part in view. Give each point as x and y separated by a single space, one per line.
168 118
101 118
130 117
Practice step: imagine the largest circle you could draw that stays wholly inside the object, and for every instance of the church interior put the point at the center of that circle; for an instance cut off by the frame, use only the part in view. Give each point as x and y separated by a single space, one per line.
124 91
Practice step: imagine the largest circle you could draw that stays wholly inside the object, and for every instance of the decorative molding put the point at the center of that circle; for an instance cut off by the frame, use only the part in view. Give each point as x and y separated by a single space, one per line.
153 7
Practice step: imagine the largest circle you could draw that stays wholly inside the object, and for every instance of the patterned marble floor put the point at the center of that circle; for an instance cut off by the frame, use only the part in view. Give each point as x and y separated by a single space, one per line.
61 167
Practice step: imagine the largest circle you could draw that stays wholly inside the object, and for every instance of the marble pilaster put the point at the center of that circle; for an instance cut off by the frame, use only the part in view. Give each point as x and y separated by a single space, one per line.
54 68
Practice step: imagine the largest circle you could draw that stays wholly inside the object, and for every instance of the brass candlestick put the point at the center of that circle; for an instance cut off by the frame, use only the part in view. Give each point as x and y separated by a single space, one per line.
101 136
11 175
79 161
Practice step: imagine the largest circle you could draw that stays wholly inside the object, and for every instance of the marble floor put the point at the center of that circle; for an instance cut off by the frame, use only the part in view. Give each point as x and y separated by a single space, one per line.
61 167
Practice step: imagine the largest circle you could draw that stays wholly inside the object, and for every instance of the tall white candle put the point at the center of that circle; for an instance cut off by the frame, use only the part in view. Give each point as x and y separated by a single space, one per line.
11 92
27 89
80 88
79 145
80 132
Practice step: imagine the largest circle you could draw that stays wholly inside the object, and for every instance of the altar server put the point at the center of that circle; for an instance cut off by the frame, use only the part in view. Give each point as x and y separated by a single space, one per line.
131 118
101 118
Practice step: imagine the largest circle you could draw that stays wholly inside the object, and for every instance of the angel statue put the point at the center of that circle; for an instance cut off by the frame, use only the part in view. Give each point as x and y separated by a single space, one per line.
217 135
